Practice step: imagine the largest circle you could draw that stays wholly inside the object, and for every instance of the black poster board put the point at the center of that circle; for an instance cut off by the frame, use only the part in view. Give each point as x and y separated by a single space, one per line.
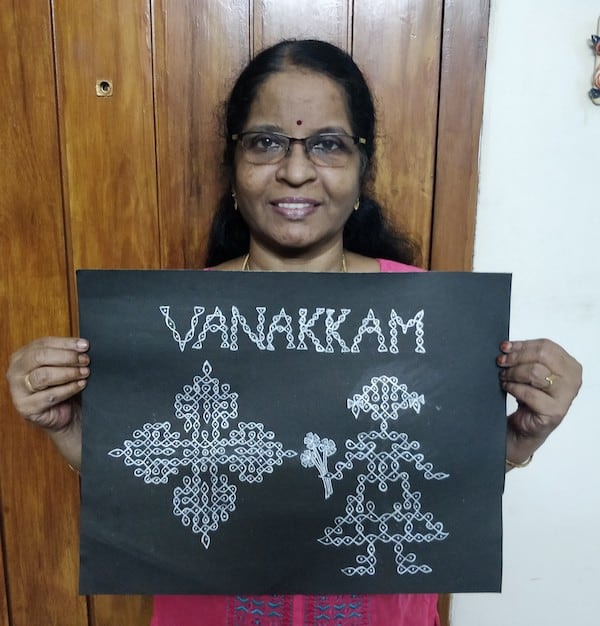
292 433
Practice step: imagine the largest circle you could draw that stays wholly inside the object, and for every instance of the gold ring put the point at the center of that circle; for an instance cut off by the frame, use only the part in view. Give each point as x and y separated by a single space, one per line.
28 384
550 379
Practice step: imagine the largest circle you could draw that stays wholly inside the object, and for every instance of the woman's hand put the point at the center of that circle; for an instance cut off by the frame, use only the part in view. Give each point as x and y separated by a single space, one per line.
544 379
44 378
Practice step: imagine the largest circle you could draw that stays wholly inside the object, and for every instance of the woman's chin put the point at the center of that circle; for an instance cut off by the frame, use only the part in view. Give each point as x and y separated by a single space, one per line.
293 241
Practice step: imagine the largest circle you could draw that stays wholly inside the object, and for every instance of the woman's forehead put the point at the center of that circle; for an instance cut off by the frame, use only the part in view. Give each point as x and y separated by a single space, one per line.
295 95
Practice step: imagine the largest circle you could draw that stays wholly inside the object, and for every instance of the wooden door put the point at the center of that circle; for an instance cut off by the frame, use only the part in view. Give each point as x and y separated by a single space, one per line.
130 180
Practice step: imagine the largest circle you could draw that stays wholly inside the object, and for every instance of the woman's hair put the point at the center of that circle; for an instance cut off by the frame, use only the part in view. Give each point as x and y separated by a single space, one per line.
367 231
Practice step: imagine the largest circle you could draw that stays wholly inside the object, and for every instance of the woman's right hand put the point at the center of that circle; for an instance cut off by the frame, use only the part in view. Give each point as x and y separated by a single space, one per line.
44 378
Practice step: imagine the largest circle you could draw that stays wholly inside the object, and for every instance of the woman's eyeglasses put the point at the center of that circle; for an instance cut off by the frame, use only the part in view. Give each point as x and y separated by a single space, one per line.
327 149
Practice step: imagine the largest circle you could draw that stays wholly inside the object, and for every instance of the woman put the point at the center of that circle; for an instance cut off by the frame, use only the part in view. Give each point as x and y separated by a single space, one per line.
299 132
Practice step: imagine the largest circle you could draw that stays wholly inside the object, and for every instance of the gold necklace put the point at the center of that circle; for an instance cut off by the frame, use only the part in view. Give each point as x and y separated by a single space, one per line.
246 263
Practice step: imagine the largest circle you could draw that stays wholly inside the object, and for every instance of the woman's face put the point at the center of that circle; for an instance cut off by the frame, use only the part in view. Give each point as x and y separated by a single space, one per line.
295 206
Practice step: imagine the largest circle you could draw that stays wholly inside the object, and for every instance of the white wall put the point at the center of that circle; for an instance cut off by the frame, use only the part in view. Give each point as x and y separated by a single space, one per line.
539 218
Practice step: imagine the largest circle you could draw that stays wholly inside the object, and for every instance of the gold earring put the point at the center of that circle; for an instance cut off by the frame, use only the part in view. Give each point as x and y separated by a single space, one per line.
235 204
357 204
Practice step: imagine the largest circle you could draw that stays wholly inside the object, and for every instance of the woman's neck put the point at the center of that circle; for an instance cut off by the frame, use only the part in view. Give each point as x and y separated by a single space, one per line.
354 263
259 259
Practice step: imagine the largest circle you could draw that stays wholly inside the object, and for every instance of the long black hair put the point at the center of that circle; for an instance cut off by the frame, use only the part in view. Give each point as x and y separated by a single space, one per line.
367 231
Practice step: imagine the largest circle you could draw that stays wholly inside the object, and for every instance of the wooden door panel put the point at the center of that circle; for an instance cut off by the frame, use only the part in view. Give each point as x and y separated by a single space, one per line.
3 589
108 143
40 499
199 49
281 19
462 81
120 610
397 45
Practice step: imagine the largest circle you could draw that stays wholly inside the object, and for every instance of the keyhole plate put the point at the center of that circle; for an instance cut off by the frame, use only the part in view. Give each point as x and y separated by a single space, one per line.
104 88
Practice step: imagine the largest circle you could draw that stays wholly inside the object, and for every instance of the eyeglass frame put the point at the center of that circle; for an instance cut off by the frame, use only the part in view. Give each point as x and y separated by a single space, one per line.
358 141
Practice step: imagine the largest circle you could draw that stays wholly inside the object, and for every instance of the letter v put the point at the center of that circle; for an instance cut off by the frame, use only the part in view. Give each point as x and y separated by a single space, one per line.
165 310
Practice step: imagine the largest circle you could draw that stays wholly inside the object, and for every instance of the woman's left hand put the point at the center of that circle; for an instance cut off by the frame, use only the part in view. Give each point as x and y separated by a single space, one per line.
544 379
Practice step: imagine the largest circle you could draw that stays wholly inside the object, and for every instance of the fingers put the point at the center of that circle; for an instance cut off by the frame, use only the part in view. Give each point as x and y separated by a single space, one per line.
43 378
50 351
48 408
542 364
536 351
57 366
533 374
544 379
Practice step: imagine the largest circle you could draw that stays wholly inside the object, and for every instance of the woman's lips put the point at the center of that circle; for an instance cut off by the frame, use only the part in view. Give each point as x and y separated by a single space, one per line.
294 208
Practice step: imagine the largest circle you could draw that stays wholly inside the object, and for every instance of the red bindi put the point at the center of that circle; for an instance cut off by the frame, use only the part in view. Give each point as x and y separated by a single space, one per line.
299 122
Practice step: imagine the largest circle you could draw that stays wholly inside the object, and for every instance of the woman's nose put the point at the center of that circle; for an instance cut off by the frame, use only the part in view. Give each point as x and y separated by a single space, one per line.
296 167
